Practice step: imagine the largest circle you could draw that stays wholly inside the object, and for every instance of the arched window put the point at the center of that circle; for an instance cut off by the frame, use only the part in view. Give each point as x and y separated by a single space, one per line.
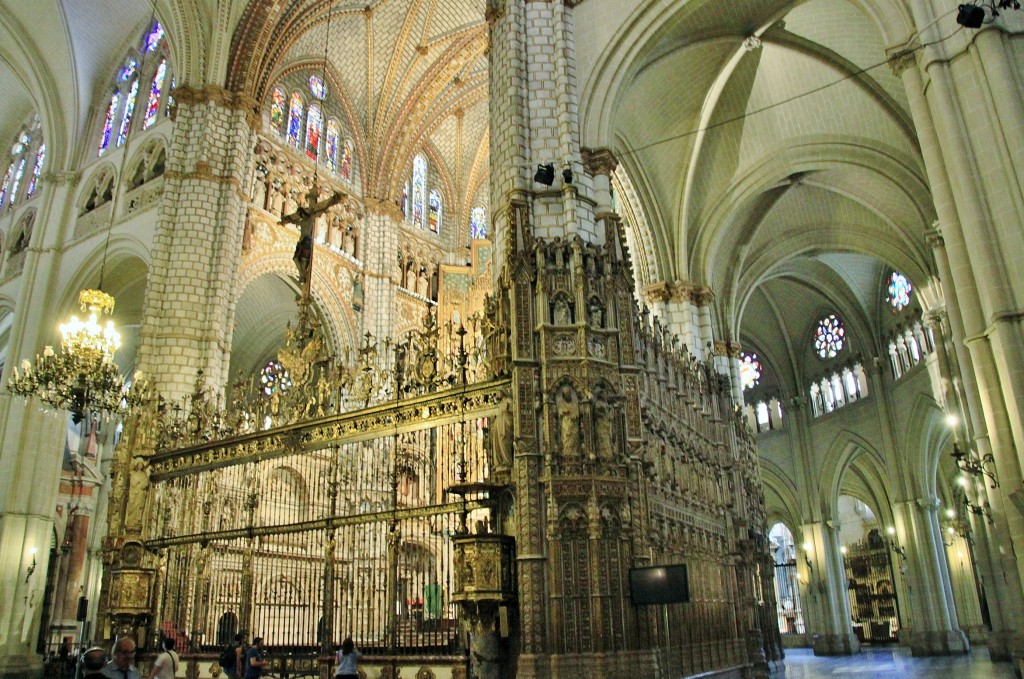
332 146
314 125
37 170
478 223
277 110
435 211
750 371
898 292
295 120
27 152
145 71
155 90
108 123
129 109
829 337
419 189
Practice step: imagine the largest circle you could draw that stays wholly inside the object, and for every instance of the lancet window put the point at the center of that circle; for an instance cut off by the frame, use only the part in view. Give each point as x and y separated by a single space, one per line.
27 155
420 207
478 223
145 72
838 388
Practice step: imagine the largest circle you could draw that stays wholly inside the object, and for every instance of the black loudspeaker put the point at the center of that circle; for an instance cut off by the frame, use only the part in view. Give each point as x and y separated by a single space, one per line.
83 609
970 16
545 175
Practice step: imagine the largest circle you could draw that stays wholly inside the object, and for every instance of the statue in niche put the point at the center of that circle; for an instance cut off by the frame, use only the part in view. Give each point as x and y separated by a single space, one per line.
410 278
562 314
501 434
568 414
276 197
603 430
423 283
138 489
349 242
595 314
259 186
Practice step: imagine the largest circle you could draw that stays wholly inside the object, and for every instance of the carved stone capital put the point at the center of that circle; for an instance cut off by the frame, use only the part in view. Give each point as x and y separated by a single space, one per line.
934 238
599 161
730 349
215 94
658 292
61 178
903 57
382 206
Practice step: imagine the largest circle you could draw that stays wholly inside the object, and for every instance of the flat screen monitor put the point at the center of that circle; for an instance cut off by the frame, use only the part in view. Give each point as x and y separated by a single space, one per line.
659 585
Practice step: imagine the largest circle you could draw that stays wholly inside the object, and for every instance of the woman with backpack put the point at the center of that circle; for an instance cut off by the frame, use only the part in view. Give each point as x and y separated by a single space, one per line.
347 660
166 664
231 657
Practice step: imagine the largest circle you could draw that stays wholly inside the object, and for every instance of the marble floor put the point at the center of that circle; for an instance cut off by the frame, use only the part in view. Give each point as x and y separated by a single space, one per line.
885 663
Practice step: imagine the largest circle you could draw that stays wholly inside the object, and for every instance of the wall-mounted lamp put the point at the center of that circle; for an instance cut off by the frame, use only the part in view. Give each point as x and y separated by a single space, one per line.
968 463
895 546
807 559
31 566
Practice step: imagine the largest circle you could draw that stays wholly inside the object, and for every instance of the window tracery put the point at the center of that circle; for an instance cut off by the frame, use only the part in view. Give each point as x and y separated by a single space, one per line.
899 291
295 109
750 371
829 337
434 216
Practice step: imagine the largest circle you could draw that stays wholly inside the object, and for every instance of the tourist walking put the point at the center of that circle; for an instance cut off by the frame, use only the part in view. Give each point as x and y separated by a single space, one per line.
121 666
348 660
232 658
254 662
166 664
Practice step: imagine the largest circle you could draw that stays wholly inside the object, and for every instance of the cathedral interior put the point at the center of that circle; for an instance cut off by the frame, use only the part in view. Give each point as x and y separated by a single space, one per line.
461 327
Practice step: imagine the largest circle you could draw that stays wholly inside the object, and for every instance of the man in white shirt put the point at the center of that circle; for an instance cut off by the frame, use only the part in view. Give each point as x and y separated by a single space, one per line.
121 666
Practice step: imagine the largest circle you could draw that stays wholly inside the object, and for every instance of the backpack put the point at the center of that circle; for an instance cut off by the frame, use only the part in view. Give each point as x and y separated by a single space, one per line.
227 656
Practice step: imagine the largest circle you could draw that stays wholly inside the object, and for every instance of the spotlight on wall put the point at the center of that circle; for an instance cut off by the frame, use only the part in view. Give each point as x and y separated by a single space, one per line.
545 174
970 16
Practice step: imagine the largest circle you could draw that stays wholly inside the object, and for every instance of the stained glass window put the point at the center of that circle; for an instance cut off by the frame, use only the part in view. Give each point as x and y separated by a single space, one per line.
153 105
478 223
37 170
108 124
295 120
899 291
750 371
170 99
153 38
274 377
317 87
829 337
346 159
435 211
6 185
332 145
17 180
314 125
419 189
277 109
131 67
129 108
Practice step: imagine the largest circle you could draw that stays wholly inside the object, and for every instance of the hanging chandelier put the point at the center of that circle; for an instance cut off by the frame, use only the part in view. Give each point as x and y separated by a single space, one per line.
82 378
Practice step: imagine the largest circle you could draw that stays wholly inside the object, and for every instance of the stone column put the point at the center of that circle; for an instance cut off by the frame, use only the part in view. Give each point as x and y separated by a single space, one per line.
970 124
934 627
190 300
998 565
30 460
823 589
380 257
